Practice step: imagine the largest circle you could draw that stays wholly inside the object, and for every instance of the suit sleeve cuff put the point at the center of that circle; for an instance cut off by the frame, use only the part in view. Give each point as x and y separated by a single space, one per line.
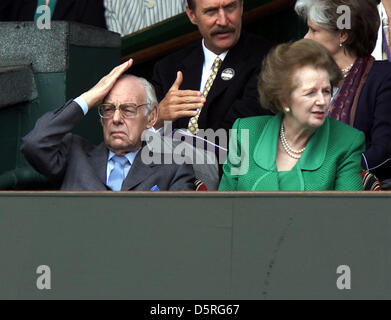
82 104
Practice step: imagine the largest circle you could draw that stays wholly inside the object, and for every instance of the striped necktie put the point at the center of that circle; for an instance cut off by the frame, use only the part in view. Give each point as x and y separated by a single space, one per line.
193 123
117 176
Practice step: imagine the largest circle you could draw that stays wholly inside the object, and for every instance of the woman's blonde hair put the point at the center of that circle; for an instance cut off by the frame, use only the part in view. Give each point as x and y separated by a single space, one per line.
276 81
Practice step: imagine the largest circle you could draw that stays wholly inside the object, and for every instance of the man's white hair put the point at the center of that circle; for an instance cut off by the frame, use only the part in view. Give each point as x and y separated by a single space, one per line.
150 93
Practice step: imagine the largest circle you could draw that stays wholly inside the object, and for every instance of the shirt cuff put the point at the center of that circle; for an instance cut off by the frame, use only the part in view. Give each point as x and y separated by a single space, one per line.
82 104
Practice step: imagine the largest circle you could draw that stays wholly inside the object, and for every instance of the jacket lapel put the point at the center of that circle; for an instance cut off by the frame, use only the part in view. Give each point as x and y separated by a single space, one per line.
138 173
234 60
98 159
265 150
315 153
265 153
192 69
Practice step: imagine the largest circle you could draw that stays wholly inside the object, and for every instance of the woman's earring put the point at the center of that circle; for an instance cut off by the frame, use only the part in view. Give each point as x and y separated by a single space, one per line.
340 44
287 109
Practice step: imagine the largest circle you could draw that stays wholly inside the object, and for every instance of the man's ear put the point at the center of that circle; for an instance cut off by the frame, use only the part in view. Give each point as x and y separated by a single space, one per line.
191 15
152 117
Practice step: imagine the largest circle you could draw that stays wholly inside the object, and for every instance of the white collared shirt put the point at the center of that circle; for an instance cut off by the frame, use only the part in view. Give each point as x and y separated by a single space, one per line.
210 58
128 16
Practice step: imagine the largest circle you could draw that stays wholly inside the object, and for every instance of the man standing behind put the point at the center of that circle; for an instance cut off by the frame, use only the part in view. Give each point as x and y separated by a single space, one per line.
129 108
214 82
128 16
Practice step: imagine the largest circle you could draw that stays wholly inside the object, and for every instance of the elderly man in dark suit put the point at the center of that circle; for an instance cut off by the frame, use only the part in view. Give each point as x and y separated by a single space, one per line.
214 82
120 163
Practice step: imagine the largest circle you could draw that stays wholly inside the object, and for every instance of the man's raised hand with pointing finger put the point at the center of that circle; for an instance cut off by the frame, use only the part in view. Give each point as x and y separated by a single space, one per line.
232 89
179 103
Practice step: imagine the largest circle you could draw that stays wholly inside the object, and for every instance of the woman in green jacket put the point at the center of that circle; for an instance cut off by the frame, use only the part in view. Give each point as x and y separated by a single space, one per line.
300 148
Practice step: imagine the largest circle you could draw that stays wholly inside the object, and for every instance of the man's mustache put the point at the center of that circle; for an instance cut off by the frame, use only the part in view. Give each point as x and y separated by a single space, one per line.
223 30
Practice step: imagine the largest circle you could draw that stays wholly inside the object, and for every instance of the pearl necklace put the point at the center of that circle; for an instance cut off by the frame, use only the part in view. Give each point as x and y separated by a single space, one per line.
346 70
296 154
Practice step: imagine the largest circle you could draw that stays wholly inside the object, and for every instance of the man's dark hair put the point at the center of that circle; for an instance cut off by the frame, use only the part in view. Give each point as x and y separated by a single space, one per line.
191 4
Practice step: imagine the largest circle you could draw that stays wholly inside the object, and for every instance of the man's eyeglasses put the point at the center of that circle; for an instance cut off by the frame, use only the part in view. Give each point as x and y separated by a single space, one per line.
127 110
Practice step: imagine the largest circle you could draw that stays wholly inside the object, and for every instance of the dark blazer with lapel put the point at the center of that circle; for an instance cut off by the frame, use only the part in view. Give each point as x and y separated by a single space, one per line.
73 162
90 12
227 100
373 117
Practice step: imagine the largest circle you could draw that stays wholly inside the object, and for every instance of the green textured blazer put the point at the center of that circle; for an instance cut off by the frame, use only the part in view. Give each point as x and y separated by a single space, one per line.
331 161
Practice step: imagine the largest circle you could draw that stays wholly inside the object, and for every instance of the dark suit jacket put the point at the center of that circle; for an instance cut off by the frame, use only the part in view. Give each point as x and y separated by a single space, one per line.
90 12
373 117
227 100
76 164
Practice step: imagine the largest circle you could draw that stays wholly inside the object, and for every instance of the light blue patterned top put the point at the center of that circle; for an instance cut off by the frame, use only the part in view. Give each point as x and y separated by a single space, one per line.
128 16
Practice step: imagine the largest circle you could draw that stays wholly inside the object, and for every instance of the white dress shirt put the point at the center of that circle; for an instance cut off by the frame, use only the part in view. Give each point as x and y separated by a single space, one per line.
210 58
